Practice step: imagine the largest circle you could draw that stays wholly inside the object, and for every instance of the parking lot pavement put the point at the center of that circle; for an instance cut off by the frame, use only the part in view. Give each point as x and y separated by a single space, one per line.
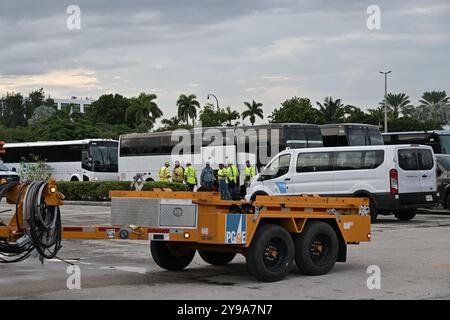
413 257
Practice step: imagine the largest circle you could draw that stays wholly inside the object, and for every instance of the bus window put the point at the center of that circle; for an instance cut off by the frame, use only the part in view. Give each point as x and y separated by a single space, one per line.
357 136
314 137
444 142
295 138
375 137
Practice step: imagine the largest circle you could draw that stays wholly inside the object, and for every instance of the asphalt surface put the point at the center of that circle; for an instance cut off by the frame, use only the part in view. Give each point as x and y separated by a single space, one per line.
413 258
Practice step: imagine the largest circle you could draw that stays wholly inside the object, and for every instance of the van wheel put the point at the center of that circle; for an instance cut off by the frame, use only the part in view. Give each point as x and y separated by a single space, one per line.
261 193
271 252
170 258
316 248
405 215
373 211
216 258
447 202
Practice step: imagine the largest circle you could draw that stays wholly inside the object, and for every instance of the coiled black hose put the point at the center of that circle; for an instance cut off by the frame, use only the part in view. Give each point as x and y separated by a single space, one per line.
41 223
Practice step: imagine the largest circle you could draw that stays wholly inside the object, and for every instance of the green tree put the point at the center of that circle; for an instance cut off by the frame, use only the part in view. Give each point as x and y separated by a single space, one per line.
332 111
13 114
211 117
41 113
294 110
396 104
230 116
35 100
376 116
143 111
170 124
356 115
109 108
187 107
253 110
434 105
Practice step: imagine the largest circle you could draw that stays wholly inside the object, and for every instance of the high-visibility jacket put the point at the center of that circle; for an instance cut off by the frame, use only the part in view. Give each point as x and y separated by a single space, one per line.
222 174
233 173
164 174
191 175
250 172
178 174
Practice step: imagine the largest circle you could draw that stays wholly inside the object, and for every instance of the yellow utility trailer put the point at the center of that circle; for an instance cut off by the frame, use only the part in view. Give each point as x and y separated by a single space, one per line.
272 232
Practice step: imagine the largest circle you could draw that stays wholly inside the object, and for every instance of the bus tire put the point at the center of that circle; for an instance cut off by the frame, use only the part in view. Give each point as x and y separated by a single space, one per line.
169 258
316 248
405 215
74 179
271 253
447 202
216 258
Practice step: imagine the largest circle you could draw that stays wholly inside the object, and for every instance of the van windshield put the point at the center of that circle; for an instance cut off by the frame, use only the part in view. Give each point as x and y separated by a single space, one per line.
277 168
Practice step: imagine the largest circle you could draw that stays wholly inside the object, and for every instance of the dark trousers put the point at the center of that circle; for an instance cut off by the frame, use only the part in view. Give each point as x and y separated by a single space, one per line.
208 185
190 186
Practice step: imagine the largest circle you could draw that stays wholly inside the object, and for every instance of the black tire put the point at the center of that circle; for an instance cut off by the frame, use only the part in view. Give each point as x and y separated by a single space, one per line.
447 202
271 252
74 179
374 211
170 258
316 248
258 193
216 258
405 215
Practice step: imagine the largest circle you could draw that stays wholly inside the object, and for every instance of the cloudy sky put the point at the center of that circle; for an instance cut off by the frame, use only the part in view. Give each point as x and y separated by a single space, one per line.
239 50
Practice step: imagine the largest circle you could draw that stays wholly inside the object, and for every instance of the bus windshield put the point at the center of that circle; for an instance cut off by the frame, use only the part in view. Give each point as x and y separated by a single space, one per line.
445 144
3 167
104 157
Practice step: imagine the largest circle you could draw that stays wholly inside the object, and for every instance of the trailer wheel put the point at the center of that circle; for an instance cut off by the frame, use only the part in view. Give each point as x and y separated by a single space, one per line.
405 215
216 258
316 248
271 252
168 257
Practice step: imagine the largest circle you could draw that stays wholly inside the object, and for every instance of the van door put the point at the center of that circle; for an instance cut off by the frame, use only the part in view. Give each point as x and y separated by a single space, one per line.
313 173
277 176
408 171
427 170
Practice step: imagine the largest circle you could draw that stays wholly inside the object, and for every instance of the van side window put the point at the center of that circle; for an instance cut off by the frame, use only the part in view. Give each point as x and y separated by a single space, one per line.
407 159
425 159
277 168
313 162
359 160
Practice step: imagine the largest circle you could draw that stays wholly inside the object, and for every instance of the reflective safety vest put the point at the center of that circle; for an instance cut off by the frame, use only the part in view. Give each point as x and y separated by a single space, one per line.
191 175
250 172
232 173
222 174
178 174
164 174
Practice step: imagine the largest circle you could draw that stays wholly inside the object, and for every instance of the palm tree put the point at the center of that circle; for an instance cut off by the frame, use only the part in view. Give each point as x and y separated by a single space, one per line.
143 109
434 105
332 111
187 107
253 109
396 104
377 114
231 115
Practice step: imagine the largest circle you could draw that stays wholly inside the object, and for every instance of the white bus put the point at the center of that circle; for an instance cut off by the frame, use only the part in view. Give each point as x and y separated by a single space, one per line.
145 153
76 160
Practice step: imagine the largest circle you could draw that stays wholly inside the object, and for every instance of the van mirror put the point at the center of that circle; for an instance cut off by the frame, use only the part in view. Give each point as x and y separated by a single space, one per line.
439 172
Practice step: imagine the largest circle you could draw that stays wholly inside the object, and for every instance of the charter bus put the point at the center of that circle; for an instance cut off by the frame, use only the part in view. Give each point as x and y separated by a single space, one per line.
146 153
439 140
76 160
350 134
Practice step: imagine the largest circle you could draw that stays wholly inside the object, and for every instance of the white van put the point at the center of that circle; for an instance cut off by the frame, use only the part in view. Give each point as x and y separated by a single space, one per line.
397 178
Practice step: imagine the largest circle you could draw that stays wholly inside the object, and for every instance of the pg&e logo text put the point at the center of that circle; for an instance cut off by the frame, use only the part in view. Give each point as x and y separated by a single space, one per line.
236 229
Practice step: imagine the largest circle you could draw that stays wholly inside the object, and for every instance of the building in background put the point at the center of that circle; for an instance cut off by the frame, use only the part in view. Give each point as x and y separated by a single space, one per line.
78 104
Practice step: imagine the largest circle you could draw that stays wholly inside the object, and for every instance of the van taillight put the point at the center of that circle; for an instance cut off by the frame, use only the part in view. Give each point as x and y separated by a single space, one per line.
393 175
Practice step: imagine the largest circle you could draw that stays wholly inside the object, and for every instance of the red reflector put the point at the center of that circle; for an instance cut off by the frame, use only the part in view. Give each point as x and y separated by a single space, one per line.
393 177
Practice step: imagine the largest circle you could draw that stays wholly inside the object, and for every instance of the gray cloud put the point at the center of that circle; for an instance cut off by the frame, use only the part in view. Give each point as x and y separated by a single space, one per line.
265 50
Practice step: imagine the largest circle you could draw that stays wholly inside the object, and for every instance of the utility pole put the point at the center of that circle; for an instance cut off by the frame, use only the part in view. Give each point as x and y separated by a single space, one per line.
385 102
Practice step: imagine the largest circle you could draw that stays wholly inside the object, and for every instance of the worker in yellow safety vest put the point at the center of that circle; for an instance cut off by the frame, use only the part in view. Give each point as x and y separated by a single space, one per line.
178 173
250 172
233 177
164 172
222 176
190 176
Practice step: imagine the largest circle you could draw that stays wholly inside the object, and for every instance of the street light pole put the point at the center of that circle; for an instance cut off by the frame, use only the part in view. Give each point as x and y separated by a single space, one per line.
385 102
217 101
